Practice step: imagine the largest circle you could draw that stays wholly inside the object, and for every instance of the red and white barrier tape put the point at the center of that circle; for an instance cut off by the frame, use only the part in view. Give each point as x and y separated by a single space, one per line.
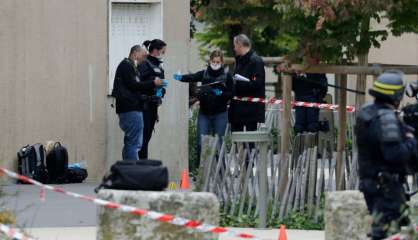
13 233
396 237
156 216
400 236
294 103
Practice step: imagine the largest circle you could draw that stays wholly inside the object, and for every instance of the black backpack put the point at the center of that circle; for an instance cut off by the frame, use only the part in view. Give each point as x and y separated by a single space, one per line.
57 163
31 163
75 175
148 175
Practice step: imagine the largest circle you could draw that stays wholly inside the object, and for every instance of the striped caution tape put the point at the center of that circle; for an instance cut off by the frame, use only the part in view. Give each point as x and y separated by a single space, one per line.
13 233
401 236
295 103
396 237
156 216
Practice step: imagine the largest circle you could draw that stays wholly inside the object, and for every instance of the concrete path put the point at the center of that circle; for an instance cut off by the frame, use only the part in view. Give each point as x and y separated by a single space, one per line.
58 210
89 233
273 234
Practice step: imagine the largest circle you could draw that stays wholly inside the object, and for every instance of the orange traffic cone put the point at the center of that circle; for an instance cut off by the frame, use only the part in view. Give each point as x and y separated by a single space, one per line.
282 233
184 180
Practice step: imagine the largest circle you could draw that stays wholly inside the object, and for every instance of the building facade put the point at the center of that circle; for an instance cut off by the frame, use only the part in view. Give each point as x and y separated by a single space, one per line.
57 64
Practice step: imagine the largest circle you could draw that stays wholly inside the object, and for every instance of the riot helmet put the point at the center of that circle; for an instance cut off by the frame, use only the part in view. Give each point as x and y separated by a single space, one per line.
389 87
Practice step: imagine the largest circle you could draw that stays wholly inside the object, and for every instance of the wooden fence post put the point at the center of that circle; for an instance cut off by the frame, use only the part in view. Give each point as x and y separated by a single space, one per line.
361 82
342 124
285 131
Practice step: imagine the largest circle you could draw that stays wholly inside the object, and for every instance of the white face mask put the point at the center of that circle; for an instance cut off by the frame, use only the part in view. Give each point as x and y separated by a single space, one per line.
215 66
136 62
162 55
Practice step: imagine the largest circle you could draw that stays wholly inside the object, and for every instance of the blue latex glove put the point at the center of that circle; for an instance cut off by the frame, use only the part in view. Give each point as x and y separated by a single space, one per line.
177 77
217 92
165 83
74 166
159 92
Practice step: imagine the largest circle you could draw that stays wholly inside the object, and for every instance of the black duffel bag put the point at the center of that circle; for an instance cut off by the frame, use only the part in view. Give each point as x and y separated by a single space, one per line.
148 175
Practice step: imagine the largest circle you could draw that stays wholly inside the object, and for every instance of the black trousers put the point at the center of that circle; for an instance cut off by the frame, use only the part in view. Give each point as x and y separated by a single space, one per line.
150 116
306 118
239 127
386 205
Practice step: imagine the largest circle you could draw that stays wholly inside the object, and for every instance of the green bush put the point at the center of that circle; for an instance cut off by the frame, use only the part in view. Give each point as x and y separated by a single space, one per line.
7 216
193 155
274 135
227 220
293 220
298 220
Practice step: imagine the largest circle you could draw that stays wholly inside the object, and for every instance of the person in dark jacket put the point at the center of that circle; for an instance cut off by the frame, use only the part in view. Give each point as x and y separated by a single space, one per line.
386 147
150 70
127 89
310 87
247 115
214 95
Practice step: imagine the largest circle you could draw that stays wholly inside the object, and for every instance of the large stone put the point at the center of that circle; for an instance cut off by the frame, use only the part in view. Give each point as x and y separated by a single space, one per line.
346 216
413 204
116 225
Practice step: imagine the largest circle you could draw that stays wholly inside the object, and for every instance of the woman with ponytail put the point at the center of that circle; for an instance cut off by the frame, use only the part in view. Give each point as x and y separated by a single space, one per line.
151 70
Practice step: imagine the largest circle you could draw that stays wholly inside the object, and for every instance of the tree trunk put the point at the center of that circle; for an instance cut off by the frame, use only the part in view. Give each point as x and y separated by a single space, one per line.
342 124
363 61
361 82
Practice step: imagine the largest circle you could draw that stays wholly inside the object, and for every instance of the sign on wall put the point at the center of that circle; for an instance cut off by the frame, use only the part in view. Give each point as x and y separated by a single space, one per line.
131 24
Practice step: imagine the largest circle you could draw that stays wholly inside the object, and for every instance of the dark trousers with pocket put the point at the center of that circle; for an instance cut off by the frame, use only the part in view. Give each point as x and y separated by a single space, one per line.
306 118
386 205
239 127
150 116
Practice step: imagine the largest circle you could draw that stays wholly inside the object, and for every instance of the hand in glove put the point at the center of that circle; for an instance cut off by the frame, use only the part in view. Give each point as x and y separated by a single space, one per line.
159 92
217 92
177 77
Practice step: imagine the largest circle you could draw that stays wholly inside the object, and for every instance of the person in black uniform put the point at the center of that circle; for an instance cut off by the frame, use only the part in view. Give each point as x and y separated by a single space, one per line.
246 115
127 89
410 111
310 87
386 147
213 95
150 70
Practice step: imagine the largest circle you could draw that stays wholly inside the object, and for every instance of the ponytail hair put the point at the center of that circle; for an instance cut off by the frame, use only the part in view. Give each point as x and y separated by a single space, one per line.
154 44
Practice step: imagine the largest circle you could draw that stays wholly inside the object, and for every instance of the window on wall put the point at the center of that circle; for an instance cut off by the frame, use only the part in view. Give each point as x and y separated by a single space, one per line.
131 24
